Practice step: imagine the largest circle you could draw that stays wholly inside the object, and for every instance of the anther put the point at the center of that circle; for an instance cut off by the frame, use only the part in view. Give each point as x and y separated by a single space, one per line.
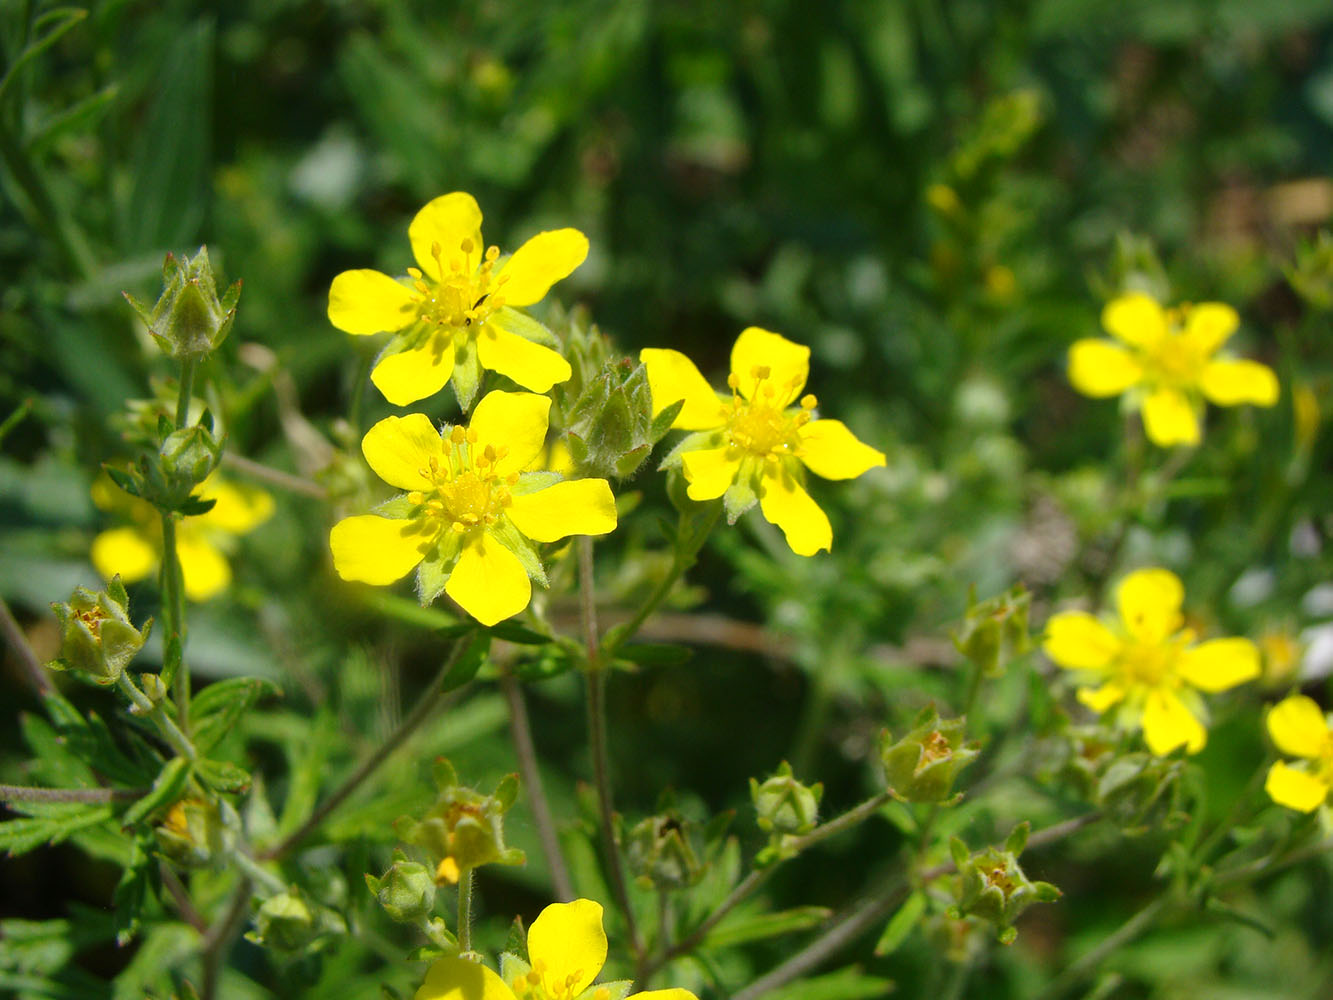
761 371
466 246
809 402
436 250
492 253
734 380
458 435
416 498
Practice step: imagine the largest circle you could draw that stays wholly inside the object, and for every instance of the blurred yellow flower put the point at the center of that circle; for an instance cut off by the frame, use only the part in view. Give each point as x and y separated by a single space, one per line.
1148 666
755 444
471 512
1165 362
1299 729
568 948
202 541
455 315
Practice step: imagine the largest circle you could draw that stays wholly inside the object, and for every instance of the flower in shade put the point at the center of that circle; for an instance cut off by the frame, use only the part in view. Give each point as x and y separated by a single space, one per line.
203 541
455 314
755 445
1300 729
471 512
568 948
1164 360
1146 665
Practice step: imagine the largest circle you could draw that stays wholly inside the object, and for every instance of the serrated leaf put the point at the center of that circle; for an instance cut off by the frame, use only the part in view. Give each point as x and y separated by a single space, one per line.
218 707
901 924
739 930
19 836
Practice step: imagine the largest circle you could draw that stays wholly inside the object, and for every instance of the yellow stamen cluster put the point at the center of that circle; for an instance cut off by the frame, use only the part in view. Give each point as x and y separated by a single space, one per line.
760 425
458 297
1153 664
467 490
532 987
1176 360
93 618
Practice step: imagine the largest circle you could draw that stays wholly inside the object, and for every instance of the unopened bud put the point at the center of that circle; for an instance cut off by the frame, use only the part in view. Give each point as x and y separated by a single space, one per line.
406 890
96 635
923 765
662 852
188 320
783 804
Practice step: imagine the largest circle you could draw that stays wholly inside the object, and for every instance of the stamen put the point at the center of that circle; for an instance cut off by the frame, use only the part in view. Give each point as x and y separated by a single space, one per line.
809 402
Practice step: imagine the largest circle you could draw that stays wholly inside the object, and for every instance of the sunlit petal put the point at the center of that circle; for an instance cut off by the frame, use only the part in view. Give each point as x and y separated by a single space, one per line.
1231 383
373 549
489 582
125 551
786 504
204 570
530 364
710 471
365 302
787 364
1078 641
830 450
416 373
1298 727
400 450
459 979
1136 319
1208 325
574 507
513 420
671 377
451 222
1169 419
540 263
1168 724
568 944
1102 368
672 994
1220 664
1295 789
1149 601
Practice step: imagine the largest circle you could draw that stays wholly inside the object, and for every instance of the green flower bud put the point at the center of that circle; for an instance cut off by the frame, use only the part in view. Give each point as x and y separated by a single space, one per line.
923 765
662 852
994 887
611 430
188 320
994 631
96 635
285 922
189 455
784 805
191 834
464 829
406 891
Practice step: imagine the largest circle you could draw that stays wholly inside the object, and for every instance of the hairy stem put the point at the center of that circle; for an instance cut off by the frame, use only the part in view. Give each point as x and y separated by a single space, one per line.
19 643
165 724
465 911
26 793
274 477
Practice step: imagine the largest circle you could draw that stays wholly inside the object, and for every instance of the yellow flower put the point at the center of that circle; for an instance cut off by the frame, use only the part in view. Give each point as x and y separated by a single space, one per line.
455 315
471 513
1164 360
755 445
1147 664
567 946
202 541
1298 728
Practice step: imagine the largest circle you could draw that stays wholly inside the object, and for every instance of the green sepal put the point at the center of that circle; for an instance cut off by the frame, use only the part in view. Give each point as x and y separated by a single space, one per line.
739 498
526 327
397 508
698 441
433 571
661 424
222 776
504 532
532 482
516 946
123 479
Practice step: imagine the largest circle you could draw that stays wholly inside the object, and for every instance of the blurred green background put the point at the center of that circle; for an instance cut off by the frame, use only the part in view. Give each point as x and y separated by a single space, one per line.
936 195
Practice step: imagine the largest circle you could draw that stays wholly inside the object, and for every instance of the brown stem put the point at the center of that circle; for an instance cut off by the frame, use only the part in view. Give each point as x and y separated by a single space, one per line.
19 642
27 793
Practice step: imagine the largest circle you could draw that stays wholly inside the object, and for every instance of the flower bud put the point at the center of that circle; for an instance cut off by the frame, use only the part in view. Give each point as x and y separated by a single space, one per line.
994 887
191 834
406 891
285 922
464 829
995 630
662 852
923 765
188 321
784 805
189 455
96 636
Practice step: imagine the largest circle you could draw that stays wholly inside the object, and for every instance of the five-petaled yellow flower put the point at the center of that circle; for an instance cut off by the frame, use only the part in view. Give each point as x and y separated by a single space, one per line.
456 315
567 946
754 444
202 541
1165 361
1299 728
471 512
1148 665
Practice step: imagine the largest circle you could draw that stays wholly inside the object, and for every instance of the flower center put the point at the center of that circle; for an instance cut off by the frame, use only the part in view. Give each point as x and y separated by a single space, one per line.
92 618
467 490
454 296
1147 665
1175 360
760 425
537 986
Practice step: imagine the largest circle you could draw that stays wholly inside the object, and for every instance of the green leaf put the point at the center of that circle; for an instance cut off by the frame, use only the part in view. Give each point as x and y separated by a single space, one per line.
46 30
166 790
655 654
739 930
132 893
467 664
19 836
222 776
220 705
901 924
511 631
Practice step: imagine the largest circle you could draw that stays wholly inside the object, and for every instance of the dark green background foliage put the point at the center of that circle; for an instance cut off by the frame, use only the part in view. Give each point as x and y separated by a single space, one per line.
784 164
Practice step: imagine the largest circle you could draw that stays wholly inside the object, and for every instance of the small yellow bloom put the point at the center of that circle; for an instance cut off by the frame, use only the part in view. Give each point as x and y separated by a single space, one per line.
568 948
1299 729
455 314
755 445
1165 362
202 541
1147 663
471 512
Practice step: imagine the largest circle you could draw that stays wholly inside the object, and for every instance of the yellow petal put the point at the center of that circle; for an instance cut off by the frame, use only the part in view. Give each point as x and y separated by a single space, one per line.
513 420
786 504
1295 789
1078 641
374 549
366 301
830 450
1149 601
540 263
1102 368
1231 383
1298 727
568 940
1169 419
451 222
125 551
204 570
710 472
238 510
400 449
459 979
489 582
1208 325
1168 724
1220 664
672 994
1102 698
1136 319
671 377
574 507
529 364
416 373
787 364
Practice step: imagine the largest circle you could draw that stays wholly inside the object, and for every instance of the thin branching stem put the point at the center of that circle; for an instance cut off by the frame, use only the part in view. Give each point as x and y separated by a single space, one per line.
32 665
27 793
220 936
274 477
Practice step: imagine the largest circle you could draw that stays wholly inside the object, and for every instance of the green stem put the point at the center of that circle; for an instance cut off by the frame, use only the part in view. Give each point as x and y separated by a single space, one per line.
465 912
15 418
174 672
253 872
170 731
431 699
188 367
